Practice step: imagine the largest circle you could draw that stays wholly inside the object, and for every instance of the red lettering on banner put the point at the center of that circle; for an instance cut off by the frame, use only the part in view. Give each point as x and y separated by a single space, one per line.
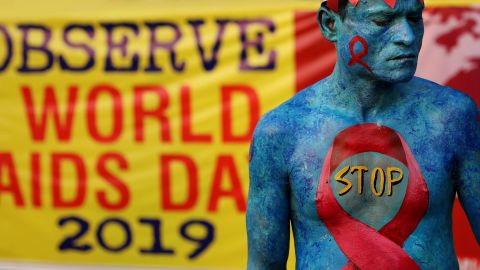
50 109
57 182
140 113
36 183
63 119
166 180
6 163
187 133
227 120
226 164
92 113
69 182
114 181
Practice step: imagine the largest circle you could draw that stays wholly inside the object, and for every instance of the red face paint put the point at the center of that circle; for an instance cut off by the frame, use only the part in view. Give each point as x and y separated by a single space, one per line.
357 58
365 247
333 4
354 2
391 3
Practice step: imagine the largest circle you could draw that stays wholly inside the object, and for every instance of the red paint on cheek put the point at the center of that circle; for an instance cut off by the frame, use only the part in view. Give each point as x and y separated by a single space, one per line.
357 58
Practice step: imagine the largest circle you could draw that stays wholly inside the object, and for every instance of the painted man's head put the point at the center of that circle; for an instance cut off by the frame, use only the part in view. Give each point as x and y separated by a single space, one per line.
380 39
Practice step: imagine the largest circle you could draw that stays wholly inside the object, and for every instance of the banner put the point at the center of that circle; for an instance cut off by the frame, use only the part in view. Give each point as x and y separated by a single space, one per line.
126 125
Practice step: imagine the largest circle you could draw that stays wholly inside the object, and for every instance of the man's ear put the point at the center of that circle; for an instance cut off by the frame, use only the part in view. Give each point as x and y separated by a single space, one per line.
327 20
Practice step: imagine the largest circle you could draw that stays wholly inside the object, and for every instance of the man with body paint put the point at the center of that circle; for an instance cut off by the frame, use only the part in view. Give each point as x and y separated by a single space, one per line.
365 164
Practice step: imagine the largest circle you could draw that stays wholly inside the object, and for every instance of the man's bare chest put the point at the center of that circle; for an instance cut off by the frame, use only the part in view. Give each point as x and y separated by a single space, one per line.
370 183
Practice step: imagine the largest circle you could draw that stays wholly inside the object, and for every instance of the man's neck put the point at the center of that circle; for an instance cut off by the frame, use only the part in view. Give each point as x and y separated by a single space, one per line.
361 94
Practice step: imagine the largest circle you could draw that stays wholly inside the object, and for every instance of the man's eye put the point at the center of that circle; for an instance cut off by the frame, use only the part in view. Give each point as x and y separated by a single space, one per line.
380 22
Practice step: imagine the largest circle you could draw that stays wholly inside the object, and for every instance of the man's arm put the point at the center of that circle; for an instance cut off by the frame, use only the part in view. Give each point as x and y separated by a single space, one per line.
268 208
468 168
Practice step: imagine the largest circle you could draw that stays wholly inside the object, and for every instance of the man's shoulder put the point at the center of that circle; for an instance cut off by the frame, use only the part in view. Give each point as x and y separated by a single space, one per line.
447 98
282 119
274 123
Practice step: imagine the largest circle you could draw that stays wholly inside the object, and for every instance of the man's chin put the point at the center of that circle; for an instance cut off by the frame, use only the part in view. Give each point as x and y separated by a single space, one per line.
397 76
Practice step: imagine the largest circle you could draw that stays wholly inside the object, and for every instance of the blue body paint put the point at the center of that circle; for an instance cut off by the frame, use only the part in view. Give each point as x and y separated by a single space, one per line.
291 142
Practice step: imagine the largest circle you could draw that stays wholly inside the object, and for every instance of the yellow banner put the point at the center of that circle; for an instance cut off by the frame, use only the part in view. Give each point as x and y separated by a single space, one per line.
126 132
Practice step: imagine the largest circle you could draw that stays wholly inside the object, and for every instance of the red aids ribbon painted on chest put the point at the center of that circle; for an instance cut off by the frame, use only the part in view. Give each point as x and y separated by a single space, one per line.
365 247
357 58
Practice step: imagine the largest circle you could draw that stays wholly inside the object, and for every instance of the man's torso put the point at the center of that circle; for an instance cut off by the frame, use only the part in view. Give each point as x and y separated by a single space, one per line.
424 117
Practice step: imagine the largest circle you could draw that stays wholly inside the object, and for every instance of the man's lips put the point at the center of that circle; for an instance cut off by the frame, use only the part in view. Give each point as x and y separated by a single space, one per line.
404 57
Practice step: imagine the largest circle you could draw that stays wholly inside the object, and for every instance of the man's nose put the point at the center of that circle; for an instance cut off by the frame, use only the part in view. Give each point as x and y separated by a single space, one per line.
403 34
